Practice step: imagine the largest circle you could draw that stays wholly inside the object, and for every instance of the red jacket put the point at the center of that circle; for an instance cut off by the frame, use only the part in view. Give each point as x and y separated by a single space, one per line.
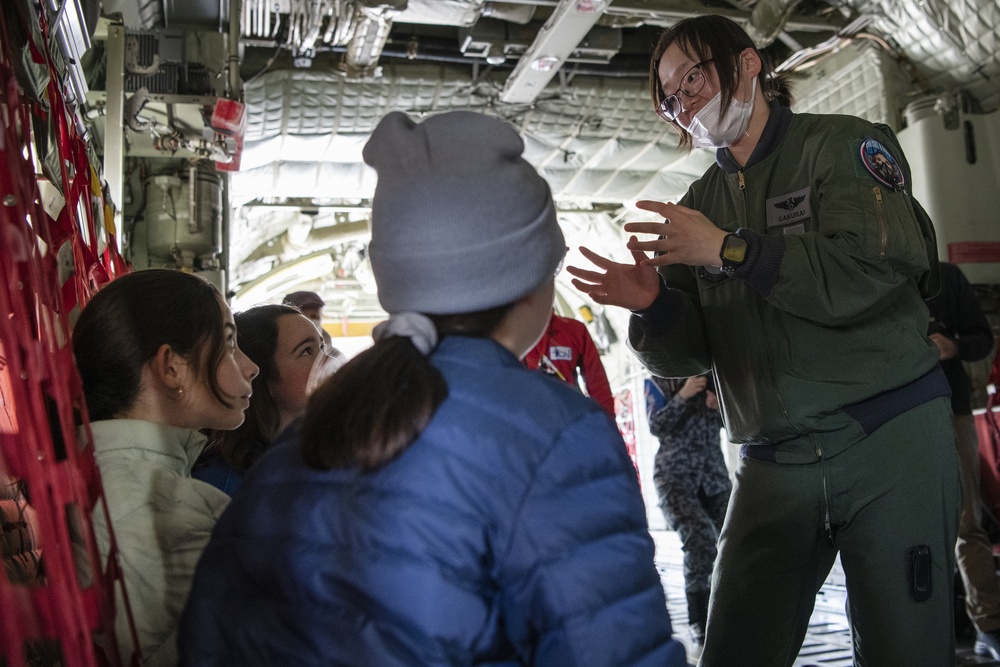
566 346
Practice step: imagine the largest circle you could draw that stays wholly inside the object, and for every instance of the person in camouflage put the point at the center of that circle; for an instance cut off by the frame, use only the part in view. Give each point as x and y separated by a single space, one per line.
692 482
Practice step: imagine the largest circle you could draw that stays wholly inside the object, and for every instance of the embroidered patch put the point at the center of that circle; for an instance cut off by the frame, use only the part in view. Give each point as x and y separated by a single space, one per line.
788 209
712 274
879 162
560 353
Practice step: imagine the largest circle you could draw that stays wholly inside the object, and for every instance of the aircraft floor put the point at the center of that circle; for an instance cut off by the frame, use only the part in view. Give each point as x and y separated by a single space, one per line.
828 641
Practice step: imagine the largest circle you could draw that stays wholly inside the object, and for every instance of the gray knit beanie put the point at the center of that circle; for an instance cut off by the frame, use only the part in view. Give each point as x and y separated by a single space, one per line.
460 221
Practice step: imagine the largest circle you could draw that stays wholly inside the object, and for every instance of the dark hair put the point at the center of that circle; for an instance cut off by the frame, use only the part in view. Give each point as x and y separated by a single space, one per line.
380 401
722 40
257 334
130 319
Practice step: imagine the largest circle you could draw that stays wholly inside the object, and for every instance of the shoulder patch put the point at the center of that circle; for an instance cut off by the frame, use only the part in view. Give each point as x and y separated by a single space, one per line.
712 274
879 162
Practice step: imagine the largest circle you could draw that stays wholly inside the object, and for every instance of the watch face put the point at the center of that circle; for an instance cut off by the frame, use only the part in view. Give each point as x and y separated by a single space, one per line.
734 249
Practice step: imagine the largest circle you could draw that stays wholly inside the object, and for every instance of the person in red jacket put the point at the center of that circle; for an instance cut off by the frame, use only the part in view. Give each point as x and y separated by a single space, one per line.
565 347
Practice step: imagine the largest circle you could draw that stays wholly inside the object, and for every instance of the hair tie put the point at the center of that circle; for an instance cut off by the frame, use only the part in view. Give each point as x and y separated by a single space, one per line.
415 326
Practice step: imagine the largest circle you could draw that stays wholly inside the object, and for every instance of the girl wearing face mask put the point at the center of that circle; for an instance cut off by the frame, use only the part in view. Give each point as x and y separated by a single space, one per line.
158 357
287 346
791 269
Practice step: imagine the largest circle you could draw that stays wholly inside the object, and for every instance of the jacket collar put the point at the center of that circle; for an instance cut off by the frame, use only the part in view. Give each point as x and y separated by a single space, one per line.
144 438
774 131
476 351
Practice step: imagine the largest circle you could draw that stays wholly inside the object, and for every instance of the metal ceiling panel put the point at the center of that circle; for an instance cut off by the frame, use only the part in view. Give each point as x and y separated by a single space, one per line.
952 42
596 142
860 80
593 138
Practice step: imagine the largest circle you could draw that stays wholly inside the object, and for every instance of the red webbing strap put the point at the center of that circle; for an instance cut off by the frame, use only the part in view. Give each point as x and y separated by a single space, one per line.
988 430
993 397
44 391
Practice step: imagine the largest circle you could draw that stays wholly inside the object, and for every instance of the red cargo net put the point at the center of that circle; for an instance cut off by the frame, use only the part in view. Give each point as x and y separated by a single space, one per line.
66 609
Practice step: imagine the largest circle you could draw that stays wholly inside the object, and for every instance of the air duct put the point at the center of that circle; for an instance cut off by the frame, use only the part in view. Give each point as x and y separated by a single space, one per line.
768 20
370 34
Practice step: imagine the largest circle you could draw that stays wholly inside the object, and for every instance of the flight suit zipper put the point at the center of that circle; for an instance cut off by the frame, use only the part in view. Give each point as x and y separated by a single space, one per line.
827 524
760 310
883 227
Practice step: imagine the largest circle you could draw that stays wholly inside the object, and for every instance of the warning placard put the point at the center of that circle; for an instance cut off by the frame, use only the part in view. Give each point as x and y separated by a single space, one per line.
974 252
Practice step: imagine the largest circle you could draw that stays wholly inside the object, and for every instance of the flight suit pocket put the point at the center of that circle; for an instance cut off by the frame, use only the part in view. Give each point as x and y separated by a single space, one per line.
918 572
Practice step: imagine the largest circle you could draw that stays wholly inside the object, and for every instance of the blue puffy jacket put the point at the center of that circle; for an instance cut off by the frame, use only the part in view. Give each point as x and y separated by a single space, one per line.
511 532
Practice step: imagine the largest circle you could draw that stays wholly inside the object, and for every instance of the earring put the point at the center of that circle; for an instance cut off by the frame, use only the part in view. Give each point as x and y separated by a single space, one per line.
178 393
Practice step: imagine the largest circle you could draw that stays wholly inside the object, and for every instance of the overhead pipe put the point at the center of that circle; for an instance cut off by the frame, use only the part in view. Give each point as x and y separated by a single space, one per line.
114 124
768 20
317 240
444 51
235 84
668 13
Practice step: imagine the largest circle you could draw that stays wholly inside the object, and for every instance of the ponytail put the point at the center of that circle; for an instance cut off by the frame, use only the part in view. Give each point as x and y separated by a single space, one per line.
370 411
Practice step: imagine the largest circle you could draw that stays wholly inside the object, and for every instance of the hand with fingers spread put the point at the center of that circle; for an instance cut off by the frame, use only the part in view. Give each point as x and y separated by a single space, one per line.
631 286
686 236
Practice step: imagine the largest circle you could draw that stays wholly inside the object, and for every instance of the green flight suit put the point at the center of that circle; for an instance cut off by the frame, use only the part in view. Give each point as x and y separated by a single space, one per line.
826 376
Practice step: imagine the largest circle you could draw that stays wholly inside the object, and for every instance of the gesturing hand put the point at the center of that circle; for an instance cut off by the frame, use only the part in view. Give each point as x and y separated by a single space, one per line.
631 286
687 236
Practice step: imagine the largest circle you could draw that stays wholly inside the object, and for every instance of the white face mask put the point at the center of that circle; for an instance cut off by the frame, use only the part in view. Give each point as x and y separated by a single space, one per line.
710 129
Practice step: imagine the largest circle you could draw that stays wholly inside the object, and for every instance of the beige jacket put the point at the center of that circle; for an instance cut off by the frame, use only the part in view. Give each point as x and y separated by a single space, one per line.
162 519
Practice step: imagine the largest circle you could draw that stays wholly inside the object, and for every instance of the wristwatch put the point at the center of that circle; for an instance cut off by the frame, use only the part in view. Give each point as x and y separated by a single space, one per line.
734 252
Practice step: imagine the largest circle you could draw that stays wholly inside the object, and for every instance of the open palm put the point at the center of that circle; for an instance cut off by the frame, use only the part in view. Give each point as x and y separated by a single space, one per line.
630 286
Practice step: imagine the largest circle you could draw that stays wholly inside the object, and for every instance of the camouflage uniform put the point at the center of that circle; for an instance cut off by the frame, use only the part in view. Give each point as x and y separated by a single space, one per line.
693 486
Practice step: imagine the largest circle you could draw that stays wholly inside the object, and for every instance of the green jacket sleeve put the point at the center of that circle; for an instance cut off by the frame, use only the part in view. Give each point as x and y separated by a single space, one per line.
669 337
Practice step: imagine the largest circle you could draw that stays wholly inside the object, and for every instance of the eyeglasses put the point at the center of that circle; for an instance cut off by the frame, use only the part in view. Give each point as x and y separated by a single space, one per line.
692 83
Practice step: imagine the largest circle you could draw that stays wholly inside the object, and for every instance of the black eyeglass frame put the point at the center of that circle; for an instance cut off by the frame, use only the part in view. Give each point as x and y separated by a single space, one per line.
661 111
